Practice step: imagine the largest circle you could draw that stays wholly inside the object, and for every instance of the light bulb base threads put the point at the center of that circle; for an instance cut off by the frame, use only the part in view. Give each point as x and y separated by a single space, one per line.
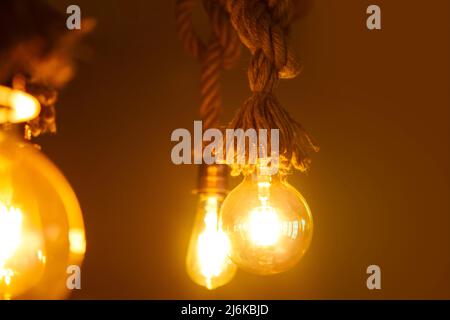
212 179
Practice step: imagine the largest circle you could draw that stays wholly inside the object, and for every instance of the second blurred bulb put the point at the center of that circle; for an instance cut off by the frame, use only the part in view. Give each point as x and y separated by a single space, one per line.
207 259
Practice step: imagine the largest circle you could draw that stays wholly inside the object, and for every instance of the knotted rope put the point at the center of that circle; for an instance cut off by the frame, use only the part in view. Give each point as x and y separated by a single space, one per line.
263 26
220 52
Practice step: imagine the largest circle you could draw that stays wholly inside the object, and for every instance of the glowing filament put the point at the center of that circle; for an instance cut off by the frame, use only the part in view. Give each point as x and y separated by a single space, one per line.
213 245
10 238
264 227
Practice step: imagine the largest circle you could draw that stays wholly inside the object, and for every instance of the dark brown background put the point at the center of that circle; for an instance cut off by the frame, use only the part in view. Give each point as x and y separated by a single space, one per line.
377 101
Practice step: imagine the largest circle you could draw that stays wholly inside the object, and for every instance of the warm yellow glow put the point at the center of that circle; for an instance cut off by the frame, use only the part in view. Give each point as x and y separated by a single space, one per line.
10 239
213 245
264 226
41 257
268 223
17 106
77 241
51 230
208 262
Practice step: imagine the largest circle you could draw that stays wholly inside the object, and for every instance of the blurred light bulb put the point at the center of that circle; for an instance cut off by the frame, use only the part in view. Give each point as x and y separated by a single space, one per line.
22 257
207 260
10 234
41 226
268 222
17 106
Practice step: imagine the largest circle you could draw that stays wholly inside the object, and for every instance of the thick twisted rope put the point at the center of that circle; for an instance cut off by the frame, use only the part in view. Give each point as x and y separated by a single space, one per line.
220 52
263 26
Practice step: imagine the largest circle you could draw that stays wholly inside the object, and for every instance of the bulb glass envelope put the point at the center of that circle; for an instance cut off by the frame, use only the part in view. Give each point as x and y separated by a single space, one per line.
268 222
44 223
41 224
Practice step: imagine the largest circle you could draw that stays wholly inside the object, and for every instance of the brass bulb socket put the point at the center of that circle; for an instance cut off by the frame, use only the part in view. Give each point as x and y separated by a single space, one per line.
213 178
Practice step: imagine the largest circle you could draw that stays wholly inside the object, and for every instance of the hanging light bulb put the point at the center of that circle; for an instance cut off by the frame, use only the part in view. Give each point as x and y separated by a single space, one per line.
268 222
207 260
41 226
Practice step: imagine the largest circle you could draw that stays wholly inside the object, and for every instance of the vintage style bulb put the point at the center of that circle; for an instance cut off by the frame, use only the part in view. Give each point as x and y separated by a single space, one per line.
268 222
22 249
207 261
41 226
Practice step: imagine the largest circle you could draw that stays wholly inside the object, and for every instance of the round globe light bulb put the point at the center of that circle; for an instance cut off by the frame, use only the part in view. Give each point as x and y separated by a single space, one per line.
268 222
41 226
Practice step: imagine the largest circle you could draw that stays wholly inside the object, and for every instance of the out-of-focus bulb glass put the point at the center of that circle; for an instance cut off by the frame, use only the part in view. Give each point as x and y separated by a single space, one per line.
17 106
207 260
41 226
22 249
268 222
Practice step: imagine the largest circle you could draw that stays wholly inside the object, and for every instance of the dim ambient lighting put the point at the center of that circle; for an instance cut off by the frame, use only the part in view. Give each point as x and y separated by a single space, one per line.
207 260
268 222
41 225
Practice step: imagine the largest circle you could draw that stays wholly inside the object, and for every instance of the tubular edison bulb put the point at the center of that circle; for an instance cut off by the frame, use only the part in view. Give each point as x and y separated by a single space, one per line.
268 222
41 226
207 260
